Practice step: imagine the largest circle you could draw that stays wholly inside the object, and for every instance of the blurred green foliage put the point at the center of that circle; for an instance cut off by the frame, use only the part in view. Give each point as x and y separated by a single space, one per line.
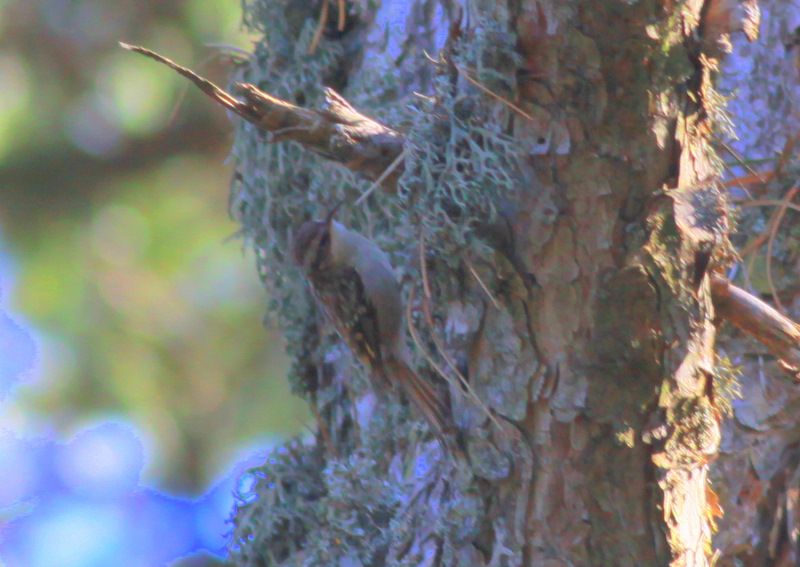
113 200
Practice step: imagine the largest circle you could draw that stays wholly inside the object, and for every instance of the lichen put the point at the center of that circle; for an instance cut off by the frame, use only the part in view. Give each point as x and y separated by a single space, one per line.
460 164
727 386
503 353
460 521
338 502
277 184
279 508
329 512
664 246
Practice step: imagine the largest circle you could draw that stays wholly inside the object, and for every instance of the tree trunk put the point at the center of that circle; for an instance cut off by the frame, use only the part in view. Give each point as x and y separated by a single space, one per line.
549 198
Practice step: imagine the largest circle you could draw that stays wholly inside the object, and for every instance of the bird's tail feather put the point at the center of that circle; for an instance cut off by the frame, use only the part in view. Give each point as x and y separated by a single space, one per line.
425 399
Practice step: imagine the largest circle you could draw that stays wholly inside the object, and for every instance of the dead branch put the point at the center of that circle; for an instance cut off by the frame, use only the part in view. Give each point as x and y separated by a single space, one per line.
337 131
778 333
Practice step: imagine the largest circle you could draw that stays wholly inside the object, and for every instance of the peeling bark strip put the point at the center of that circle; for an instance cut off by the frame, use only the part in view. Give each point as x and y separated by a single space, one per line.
336 131
687 229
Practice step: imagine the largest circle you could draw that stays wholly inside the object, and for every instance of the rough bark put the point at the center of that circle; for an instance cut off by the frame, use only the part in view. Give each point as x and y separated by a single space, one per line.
756 474
553 208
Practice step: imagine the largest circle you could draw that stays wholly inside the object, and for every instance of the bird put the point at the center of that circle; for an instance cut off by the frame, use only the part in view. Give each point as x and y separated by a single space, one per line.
352 279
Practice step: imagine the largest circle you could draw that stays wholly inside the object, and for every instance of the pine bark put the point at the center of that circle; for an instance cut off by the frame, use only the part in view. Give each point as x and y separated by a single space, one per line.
550 197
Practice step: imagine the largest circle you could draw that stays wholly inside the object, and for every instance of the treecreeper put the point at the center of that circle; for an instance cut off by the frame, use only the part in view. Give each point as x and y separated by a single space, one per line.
354 283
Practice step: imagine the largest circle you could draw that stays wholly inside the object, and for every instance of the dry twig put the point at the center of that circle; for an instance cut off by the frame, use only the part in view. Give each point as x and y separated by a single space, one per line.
321 22
492 94
386 173
483 286
770 234
342 15
771 241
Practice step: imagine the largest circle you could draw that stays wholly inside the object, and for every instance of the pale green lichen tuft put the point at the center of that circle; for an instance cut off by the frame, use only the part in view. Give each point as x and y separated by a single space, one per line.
727 386
330 513
345 504
278 183
275 514
461 164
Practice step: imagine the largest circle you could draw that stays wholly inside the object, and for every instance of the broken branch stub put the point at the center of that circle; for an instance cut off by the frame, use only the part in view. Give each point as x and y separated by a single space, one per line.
778 333
337 131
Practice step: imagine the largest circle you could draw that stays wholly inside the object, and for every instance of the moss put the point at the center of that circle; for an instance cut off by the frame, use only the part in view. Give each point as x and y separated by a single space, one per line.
671 63
625 352
664 245
696 432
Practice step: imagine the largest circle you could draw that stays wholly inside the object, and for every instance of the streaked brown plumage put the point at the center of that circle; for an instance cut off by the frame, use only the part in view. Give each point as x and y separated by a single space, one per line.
353 281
